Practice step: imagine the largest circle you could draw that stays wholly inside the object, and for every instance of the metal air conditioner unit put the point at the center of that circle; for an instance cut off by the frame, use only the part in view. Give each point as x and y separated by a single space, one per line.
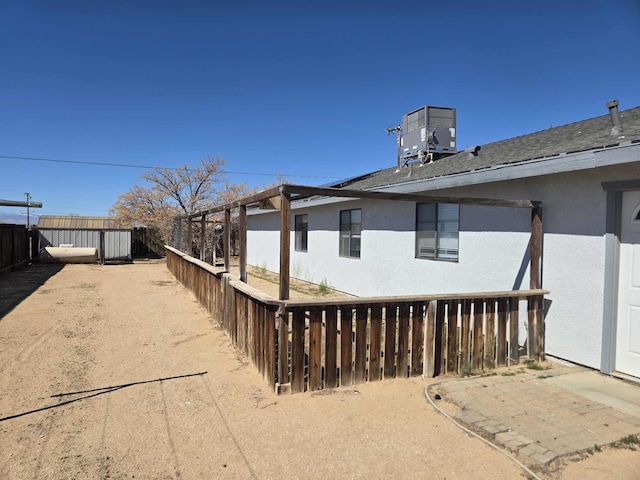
426 131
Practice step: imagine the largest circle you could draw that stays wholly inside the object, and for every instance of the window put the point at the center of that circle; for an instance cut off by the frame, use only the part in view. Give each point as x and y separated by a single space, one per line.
350 230
437 231
301 227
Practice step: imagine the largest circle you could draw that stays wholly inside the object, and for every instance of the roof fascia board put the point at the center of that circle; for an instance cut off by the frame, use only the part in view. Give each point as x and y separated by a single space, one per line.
626 153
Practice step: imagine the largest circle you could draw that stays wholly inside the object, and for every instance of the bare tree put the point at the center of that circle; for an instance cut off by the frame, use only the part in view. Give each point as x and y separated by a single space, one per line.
190 189
181 191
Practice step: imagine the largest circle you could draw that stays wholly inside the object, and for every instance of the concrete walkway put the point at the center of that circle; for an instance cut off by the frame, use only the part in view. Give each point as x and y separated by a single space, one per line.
541 415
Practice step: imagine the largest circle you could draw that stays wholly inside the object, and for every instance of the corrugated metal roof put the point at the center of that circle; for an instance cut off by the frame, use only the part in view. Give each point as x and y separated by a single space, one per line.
80 223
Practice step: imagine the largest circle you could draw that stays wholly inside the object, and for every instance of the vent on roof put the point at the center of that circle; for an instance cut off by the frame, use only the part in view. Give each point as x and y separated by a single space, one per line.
615 118
473 151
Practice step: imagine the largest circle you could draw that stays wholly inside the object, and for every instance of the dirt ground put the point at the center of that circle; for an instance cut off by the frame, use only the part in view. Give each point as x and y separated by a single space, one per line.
116 372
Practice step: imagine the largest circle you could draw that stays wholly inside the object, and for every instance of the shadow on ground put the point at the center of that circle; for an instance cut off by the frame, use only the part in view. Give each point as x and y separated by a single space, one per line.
16 286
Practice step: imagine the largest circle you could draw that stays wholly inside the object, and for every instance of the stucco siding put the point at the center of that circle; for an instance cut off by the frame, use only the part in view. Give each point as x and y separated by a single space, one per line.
574 275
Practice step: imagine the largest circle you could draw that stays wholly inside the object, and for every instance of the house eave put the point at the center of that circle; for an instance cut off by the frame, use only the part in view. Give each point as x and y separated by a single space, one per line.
628 152
603 157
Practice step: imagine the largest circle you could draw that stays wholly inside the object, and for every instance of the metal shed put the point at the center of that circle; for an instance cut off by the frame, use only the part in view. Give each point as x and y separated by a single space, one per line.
107 235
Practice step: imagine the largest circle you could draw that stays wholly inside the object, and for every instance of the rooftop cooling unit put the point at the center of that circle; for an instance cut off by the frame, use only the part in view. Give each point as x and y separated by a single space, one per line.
426 131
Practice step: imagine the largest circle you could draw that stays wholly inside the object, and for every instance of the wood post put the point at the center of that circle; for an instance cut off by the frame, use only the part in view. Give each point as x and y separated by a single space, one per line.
514 347
452 336
346 345
390 331
283 348
374 351
242 254
226 239
535 270
203 236
331 337
501 341
102 252
465 336
361 344
439 350
297 351
429 342
402 366
417 338
285 244
315 349
490 335
189 248
477 348
536 323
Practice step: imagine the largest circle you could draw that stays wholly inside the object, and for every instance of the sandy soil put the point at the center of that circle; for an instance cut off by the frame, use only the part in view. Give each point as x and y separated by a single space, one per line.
116 372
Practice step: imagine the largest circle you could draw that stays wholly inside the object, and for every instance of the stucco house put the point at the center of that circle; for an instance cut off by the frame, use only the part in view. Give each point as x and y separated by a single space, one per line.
587 176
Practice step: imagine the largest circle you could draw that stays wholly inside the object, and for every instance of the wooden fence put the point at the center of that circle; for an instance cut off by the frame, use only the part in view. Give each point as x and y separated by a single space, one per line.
315 344
147 243
14 247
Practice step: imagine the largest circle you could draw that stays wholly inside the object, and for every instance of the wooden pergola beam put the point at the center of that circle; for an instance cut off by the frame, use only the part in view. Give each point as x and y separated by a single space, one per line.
255 198
242 254
305 192
299 192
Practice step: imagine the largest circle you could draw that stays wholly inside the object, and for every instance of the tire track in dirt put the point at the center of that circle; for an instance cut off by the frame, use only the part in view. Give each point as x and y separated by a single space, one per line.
27 351
172 445
69 372
228 428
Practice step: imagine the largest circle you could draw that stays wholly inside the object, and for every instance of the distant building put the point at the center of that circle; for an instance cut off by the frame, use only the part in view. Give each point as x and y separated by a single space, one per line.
109 237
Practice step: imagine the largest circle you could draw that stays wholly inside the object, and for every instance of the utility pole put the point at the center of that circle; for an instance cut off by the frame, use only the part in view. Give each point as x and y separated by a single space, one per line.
28 204
397 130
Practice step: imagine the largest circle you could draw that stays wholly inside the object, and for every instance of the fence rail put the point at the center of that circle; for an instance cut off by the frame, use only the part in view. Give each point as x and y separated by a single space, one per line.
14 247
315 344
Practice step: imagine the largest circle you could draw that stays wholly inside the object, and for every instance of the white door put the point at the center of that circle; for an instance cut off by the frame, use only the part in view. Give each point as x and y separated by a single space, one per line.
628 331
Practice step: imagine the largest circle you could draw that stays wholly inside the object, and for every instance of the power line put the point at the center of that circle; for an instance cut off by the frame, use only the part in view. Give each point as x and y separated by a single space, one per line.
147 167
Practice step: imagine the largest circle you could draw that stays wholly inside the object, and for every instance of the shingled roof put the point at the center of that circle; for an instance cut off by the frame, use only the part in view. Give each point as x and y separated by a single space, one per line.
591 134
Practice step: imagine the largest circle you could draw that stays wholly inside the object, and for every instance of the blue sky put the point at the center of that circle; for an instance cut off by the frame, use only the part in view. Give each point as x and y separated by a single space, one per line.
305 89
